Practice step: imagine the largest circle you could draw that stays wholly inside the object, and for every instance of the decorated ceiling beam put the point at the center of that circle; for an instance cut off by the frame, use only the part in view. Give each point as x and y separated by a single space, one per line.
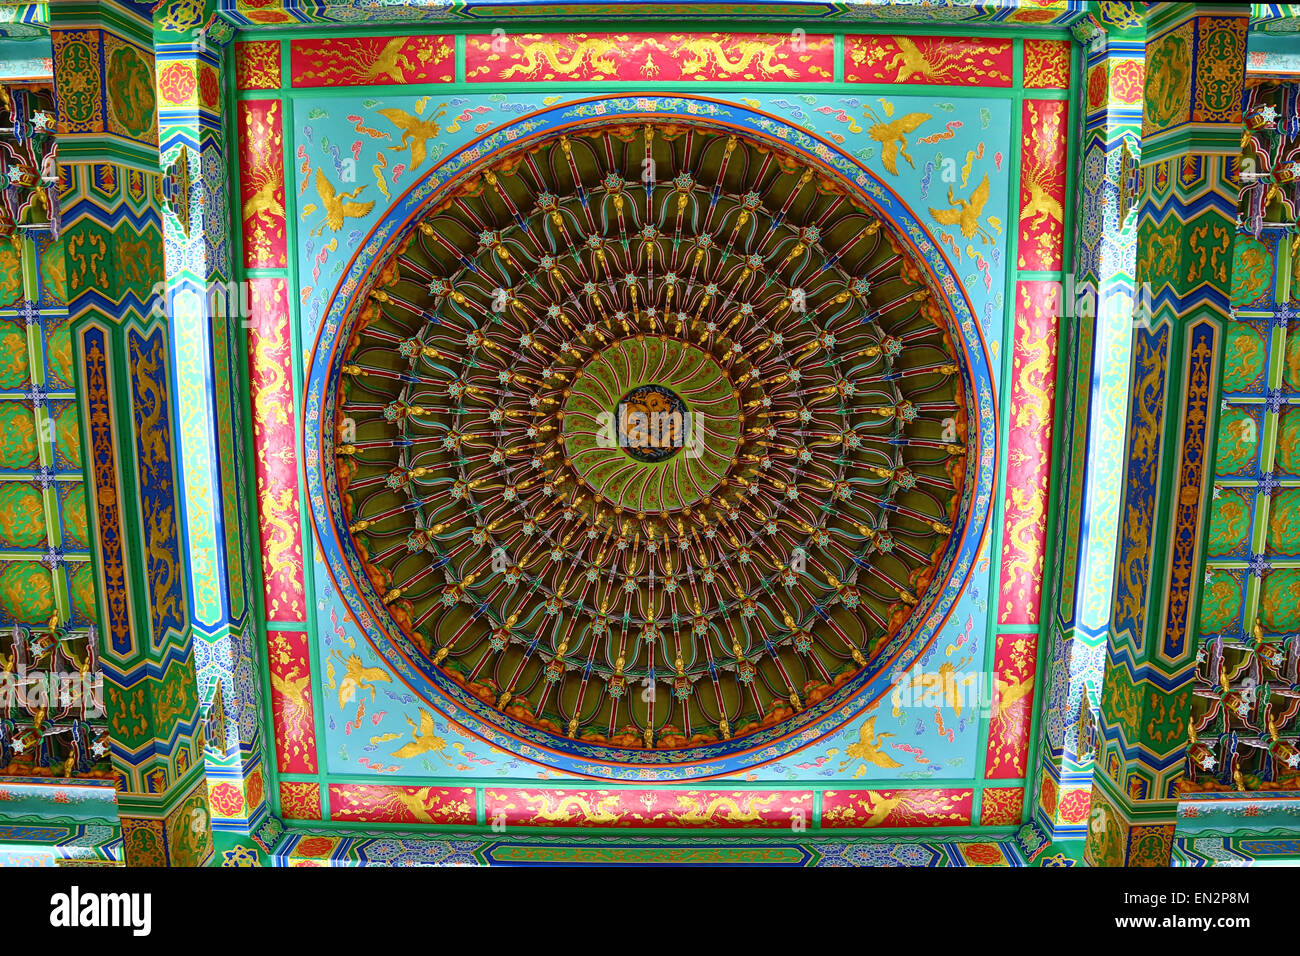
340 847
29 20
47 604
1096 305
111 205
1243 755
187 121
1264 17
1052 12
1187 200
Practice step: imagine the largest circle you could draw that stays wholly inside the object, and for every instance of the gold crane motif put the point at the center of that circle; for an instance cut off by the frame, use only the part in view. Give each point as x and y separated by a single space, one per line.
892 137
938 65
966 212
291 687
868 747
358 678
416 132
1011 693
336 210
424 740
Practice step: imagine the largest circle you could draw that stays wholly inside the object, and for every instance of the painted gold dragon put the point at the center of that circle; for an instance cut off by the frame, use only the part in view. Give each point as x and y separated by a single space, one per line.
604 809
694 809
575 59
1023 551
700 53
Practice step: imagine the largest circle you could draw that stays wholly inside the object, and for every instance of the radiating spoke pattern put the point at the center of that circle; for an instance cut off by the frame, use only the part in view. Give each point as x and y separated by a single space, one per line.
651 435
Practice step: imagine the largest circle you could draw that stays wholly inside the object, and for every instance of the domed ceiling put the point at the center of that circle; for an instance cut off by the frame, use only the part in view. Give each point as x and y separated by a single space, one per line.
650 442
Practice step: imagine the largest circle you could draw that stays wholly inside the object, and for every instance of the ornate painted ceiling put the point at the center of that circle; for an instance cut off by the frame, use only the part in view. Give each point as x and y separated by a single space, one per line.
512 586
668 467
652 427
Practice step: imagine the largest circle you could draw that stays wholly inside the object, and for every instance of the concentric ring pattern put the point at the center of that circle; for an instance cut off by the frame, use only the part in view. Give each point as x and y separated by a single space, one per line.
684 410
650 436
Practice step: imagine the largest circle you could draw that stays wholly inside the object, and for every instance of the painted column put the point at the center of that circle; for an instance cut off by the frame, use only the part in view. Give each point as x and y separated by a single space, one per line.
54 747
111 208
209 315
1243 757
267 237
1186 201
1097 307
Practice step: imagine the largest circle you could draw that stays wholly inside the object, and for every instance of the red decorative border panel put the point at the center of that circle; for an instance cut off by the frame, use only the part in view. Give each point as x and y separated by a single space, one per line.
941 61
649 57
1014 663
291 702
257 65
1042 184
723 809
372 61
376 803
270 375
1029 451
261 183
1002 806
299 801
896 808
1047 64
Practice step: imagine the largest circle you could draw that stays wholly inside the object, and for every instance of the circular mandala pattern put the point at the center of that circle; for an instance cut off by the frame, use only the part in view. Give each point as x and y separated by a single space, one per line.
607 438
650 463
